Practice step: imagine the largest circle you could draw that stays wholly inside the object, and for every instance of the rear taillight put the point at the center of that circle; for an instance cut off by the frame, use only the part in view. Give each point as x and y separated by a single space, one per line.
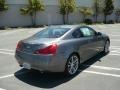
19 45
48 50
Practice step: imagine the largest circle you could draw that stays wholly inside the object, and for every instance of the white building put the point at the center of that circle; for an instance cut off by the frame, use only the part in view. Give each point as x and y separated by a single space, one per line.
13 17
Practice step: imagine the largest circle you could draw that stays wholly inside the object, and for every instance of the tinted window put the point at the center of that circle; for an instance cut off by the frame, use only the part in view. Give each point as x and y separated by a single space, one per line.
51 33
87 32
77 33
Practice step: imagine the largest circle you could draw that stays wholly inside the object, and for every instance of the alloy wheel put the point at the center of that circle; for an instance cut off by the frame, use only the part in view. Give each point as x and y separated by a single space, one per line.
73 64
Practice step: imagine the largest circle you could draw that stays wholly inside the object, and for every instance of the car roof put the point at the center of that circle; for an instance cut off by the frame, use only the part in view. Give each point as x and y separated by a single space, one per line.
64 26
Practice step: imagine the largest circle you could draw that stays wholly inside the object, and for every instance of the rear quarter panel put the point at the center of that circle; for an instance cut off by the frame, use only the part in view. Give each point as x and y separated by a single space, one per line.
67 47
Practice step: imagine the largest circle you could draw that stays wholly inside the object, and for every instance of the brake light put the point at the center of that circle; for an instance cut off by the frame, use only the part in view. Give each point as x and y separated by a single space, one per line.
19 45
48 50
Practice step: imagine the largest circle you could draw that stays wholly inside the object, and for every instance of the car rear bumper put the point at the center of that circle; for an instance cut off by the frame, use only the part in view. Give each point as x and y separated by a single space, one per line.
51 63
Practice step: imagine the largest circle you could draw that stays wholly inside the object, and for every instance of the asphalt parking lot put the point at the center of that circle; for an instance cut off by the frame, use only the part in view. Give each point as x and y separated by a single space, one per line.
102 72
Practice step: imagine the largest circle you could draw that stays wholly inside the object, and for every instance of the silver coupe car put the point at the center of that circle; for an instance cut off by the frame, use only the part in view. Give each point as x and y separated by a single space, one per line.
61 48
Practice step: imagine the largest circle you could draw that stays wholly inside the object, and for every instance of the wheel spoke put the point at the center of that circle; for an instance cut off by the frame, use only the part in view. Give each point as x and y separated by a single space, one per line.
72 59
74 70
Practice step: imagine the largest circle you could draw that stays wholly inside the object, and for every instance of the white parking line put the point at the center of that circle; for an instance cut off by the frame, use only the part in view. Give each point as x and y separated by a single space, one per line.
115 51
8 32
7 50
6 76
114 35
112 40
8 53
2 89
100 73
11 75
114 46
102 67
114 54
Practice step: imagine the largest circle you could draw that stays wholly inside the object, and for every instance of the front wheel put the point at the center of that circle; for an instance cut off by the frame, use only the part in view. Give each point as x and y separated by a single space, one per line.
106 47
72 65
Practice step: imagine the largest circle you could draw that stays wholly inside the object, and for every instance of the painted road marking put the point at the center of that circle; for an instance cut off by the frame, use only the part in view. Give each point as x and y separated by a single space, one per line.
114 54
4 33
115 46
102 67
112 40
100 73
11 75
115 51
12 32
7 50
6 76
2 89
8 32
8 53
114 35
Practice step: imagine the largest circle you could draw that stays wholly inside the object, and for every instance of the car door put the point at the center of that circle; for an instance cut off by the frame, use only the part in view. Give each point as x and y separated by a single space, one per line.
88 50
82 43
98 41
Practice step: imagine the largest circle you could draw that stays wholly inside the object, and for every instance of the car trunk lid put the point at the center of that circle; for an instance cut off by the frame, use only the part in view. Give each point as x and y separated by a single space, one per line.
31 44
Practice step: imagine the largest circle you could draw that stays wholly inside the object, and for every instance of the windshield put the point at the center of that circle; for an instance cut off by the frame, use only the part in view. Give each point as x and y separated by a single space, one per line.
51 33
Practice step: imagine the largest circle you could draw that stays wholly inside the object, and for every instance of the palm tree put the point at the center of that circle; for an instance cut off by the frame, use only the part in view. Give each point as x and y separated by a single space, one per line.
32 8
108 9
97 8
86 11
3 6
67 7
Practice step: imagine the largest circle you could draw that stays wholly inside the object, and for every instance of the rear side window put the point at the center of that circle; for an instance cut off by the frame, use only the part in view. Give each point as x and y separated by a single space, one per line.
52 33
77 33
87 32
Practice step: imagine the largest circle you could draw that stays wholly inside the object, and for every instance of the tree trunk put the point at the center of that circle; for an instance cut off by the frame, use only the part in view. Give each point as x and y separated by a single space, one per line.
67 18
117 19
96 10
32 19
63 19
84 18
105 19
35 18
96 17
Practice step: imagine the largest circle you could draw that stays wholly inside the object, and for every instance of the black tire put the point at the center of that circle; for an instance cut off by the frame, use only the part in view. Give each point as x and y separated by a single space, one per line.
69 66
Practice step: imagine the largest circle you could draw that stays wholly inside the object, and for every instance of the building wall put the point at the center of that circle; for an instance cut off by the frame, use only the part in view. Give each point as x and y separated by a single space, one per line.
51 15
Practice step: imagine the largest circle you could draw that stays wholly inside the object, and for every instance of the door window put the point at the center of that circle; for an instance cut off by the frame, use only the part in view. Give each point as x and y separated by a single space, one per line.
87 32
77 33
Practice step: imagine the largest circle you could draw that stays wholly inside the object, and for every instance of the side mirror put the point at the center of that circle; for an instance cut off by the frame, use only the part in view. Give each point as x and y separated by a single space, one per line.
99 33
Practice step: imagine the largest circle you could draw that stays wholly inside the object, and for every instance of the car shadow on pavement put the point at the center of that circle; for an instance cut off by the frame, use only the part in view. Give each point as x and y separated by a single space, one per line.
51 80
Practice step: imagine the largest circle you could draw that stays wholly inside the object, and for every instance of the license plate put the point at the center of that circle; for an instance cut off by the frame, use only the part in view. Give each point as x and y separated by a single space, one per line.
26 65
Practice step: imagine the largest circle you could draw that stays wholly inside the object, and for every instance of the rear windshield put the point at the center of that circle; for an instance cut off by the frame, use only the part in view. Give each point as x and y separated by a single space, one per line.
51 33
